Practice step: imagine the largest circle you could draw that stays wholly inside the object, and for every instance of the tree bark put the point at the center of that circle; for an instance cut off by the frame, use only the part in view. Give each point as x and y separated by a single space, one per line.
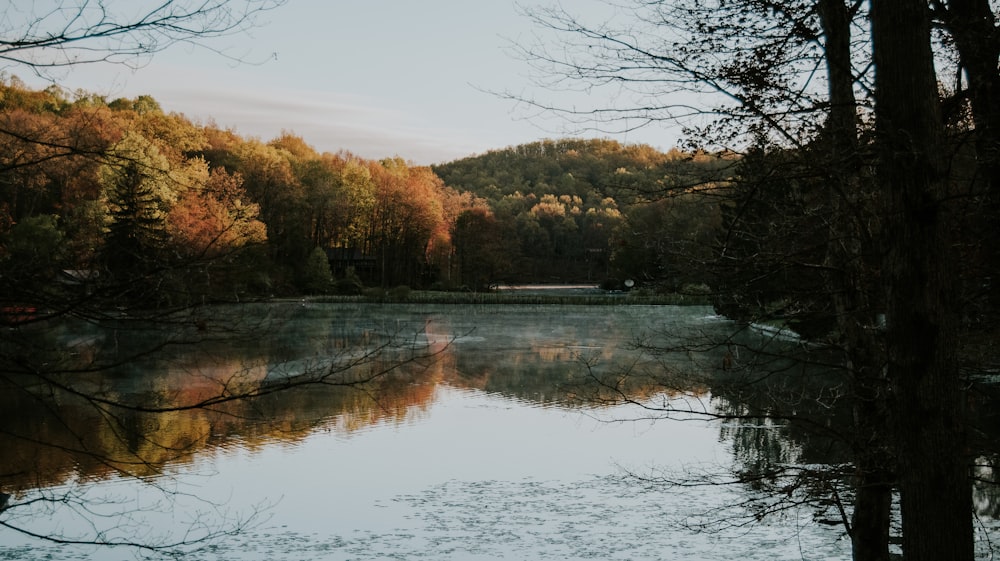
973 26
851 282
919 280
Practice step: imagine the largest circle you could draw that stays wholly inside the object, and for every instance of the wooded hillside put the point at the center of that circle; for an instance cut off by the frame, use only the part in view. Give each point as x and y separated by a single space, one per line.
140 204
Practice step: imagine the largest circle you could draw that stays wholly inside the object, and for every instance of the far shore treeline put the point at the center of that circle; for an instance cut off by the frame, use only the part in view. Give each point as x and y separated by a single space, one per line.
118 197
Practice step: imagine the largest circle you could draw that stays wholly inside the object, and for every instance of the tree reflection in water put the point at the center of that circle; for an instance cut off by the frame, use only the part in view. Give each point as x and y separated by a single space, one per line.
780 405
112 400
786 411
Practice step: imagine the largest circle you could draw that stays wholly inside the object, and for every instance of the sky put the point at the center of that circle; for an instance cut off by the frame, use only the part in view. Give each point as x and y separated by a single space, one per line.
378 78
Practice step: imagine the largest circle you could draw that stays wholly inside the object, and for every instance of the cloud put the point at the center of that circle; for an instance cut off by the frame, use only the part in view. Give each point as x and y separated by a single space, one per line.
327 122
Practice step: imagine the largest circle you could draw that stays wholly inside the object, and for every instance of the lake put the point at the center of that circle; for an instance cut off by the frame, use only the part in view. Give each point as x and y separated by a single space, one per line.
506 432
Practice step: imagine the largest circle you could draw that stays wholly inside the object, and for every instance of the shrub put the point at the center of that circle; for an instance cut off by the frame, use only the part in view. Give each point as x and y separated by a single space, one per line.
317 278
376 293
350 285
696 289
399 293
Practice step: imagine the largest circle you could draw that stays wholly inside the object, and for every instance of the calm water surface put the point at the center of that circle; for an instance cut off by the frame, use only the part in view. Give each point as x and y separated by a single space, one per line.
488 451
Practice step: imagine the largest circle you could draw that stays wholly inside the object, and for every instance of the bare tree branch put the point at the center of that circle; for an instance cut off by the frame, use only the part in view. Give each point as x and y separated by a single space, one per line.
54 34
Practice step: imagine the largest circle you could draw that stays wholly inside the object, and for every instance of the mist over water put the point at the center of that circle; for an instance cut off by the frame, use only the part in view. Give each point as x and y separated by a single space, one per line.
491 449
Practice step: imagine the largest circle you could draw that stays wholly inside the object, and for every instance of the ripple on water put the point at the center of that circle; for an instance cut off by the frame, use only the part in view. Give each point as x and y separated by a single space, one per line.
599 518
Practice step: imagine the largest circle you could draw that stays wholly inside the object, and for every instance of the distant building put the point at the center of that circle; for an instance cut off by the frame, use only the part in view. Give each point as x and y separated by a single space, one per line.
342 258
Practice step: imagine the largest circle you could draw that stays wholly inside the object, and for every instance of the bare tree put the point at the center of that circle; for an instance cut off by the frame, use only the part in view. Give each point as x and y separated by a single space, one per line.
794 81
46 36
921 299
63 383
94 398
728 72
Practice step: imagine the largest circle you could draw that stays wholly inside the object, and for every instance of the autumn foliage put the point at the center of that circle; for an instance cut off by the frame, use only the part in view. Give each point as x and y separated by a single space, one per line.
149 207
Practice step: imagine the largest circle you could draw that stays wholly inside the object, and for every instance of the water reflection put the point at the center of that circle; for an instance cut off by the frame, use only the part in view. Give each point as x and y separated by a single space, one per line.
567 356
58 432
665 360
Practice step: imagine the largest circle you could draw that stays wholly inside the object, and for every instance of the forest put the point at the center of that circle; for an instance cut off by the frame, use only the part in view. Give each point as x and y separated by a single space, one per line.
119 197
120 200
853 198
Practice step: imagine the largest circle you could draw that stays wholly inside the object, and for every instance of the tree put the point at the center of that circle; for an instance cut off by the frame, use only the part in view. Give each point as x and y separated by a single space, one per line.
215 236
757 69
211 219
46 37
139 194
920 284
136 187
32 249
317 277
119 258
270 182
407 215
561 201
480 248
666 241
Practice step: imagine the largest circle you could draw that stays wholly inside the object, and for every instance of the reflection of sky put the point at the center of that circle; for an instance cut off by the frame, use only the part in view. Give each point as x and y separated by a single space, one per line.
472 468
474 474
466 436
479 477
531 353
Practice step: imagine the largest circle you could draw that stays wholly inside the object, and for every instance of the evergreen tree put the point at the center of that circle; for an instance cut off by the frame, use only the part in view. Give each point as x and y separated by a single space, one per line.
316 275
138 191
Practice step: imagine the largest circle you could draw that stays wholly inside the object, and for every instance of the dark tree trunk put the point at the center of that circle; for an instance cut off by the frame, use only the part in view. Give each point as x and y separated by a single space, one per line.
842 122
875 475
973 26
851 282
935 492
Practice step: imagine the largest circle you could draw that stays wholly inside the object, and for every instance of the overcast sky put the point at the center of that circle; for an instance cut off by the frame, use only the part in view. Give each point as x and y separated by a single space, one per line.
379 78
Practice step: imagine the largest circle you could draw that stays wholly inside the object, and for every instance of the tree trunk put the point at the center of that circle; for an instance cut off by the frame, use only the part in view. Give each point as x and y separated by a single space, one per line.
972 25
872 516
935 492
851 283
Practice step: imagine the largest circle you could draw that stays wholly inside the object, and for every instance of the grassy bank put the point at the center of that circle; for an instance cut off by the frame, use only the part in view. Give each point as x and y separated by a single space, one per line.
515 297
